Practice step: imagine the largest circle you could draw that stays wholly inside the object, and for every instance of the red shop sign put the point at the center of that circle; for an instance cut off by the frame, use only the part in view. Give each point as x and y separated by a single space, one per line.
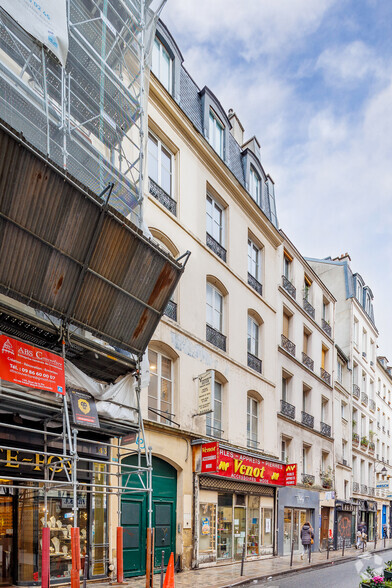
209 457
291 474
31 366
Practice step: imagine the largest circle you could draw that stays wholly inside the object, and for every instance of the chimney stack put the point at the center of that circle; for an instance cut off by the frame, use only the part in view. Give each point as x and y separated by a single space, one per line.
237 130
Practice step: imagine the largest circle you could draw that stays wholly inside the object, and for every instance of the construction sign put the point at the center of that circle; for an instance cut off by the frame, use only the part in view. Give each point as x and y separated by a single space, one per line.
31 366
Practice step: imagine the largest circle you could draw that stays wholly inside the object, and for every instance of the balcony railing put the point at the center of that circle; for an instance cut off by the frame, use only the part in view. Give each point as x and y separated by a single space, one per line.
171 310
326 327
364 398
287 409
162 196
325 376
372 405
288 286
288 345
307 419
216 338
344 462
364 489
252 443
371 491
356 391
254 362
325 429
216 247
306 360
308 308
355 439
356 487
308 479
255 284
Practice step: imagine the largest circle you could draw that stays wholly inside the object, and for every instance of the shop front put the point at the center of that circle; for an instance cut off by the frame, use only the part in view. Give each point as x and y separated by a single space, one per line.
235 505
344 524
295 508
367 514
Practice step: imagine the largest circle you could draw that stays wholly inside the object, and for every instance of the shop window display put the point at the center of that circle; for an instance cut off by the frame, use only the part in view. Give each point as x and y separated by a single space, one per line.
207 516
253 525
225 526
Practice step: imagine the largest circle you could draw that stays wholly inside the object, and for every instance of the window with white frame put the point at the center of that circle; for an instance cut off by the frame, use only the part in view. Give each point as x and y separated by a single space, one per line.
305 458
344 449
160 389
216 132
356 332
287 260
285 445
214 308
339 374
160 164
359 292
253 336
255 186
162 64
252 421
215 219
254 260
344 410
214 419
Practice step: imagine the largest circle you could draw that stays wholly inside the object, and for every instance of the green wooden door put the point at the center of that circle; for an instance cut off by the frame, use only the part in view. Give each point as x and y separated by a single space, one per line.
134 518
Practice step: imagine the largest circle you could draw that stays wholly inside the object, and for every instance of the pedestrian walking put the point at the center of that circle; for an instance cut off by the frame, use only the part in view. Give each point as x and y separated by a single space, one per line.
307 538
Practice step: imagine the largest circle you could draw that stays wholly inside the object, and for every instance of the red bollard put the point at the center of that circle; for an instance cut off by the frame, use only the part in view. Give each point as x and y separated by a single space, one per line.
45 570
120 560
75 552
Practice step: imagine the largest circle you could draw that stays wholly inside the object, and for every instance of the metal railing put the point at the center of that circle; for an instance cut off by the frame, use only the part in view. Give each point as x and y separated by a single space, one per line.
307 361
356 487
162 196
372 405
308 308
216 247
288 345
307 419
364 398
364 489
325 429
254 362
255 284
287 409
288 286
326 327
325 376
356 391
216 338
308 479
171 310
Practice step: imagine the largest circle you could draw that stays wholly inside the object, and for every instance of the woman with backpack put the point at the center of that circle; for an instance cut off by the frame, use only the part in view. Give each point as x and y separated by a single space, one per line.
307 537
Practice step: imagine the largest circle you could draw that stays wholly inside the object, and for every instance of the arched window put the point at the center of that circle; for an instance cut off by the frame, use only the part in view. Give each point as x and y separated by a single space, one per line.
253 418
160 389
168 246
255 186
214 420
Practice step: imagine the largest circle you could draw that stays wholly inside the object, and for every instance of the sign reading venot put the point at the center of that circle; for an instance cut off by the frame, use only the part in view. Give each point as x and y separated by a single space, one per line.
230 464
30 366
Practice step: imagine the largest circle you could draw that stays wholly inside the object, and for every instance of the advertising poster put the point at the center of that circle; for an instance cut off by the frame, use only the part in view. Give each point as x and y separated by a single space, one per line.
84 409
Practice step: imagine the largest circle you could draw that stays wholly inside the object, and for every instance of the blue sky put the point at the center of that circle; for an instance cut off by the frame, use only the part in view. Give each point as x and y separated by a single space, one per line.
312 79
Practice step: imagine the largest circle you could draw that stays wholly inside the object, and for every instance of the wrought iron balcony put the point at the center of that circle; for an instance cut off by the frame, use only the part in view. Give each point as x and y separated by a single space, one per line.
307 419
325 376
308 308
171 310
162 196
371 491
355 439
356 391
325 429
308 479
254 362
216 338
364 489
288 345
364 398
356 487
216 247
326 327
287 409
344 462
255 284
372 405
288 286
306 360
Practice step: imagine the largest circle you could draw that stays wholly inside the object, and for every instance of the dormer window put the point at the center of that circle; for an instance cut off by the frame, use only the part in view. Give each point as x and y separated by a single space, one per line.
255 186
216 133
162 64
359 291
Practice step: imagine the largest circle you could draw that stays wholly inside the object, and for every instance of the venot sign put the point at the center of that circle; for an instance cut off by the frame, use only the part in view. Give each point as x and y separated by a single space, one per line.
230 464
31 366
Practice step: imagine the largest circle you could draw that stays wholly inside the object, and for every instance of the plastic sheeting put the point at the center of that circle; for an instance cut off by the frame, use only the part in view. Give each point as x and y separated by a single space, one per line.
115 401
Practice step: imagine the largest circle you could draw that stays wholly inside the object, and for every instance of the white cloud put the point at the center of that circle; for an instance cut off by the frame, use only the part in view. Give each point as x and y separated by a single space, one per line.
353 62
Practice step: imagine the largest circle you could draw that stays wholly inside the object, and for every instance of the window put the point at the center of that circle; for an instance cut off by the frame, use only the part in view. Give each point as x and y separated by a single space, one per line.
214 419
252 421
216 133
324 410
324 461
324 356
346 490
325 310
339 375
255 186
356 332
286 324
214 308
306 342
215 220
344 449
307 286
305 398
285 450
287 259
364 343
160 388
359 291
254 260
162 64
305 458
344 410
253 336
160 164
285 387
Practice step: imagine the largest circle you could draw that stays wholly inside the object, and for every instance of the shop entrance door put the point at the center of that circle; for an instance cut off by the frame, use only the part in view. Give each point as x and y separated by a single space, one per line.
294 519
324 527
239 531
6 538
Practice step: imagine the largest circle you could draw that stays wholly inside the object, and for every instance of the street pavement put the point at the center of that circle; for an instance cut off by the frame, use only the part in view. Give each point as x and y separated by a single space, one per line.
345 575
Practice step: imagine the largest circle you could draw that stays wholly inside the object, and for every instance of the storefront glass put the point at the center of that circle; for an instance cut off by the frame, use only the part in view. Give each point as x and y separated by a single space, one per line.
253 525
6 539
225 526
239 531
98 530
267 527
294 519
207 531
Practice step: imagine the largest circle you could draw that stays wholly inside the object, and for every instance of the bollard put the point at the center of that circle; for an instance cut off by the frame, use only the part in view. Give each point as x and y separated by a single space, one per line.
75 552
292 553
310 551
384 541
328 549
363 546
120 555
343 547
243 558
375 541
45 574
162 567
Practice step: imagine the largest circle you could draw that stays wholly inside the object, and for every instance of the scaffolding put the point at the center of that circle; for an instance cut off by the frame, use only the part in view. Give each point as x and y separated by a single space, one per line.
89 116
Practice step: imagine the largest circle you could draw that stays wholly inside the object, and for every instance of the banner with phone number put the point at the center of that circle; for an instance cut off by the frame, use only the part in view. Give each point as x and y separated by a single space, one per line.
30 366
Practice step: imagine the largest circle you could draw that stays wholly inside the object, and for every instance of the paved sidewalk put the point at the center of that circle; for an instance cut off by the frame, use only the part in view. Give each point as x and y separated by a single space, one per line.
226 575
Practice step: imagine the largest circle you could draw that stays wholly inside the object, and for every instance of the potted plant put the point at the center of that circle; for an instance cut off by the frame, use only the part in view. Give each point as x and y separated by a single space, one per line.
369 579
388 570
364 441
327 478
355 438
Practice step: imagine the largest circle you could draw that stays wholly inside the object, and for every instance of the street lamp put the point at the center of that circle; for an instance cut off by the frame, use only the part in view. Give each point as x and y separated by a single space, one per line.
384 472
